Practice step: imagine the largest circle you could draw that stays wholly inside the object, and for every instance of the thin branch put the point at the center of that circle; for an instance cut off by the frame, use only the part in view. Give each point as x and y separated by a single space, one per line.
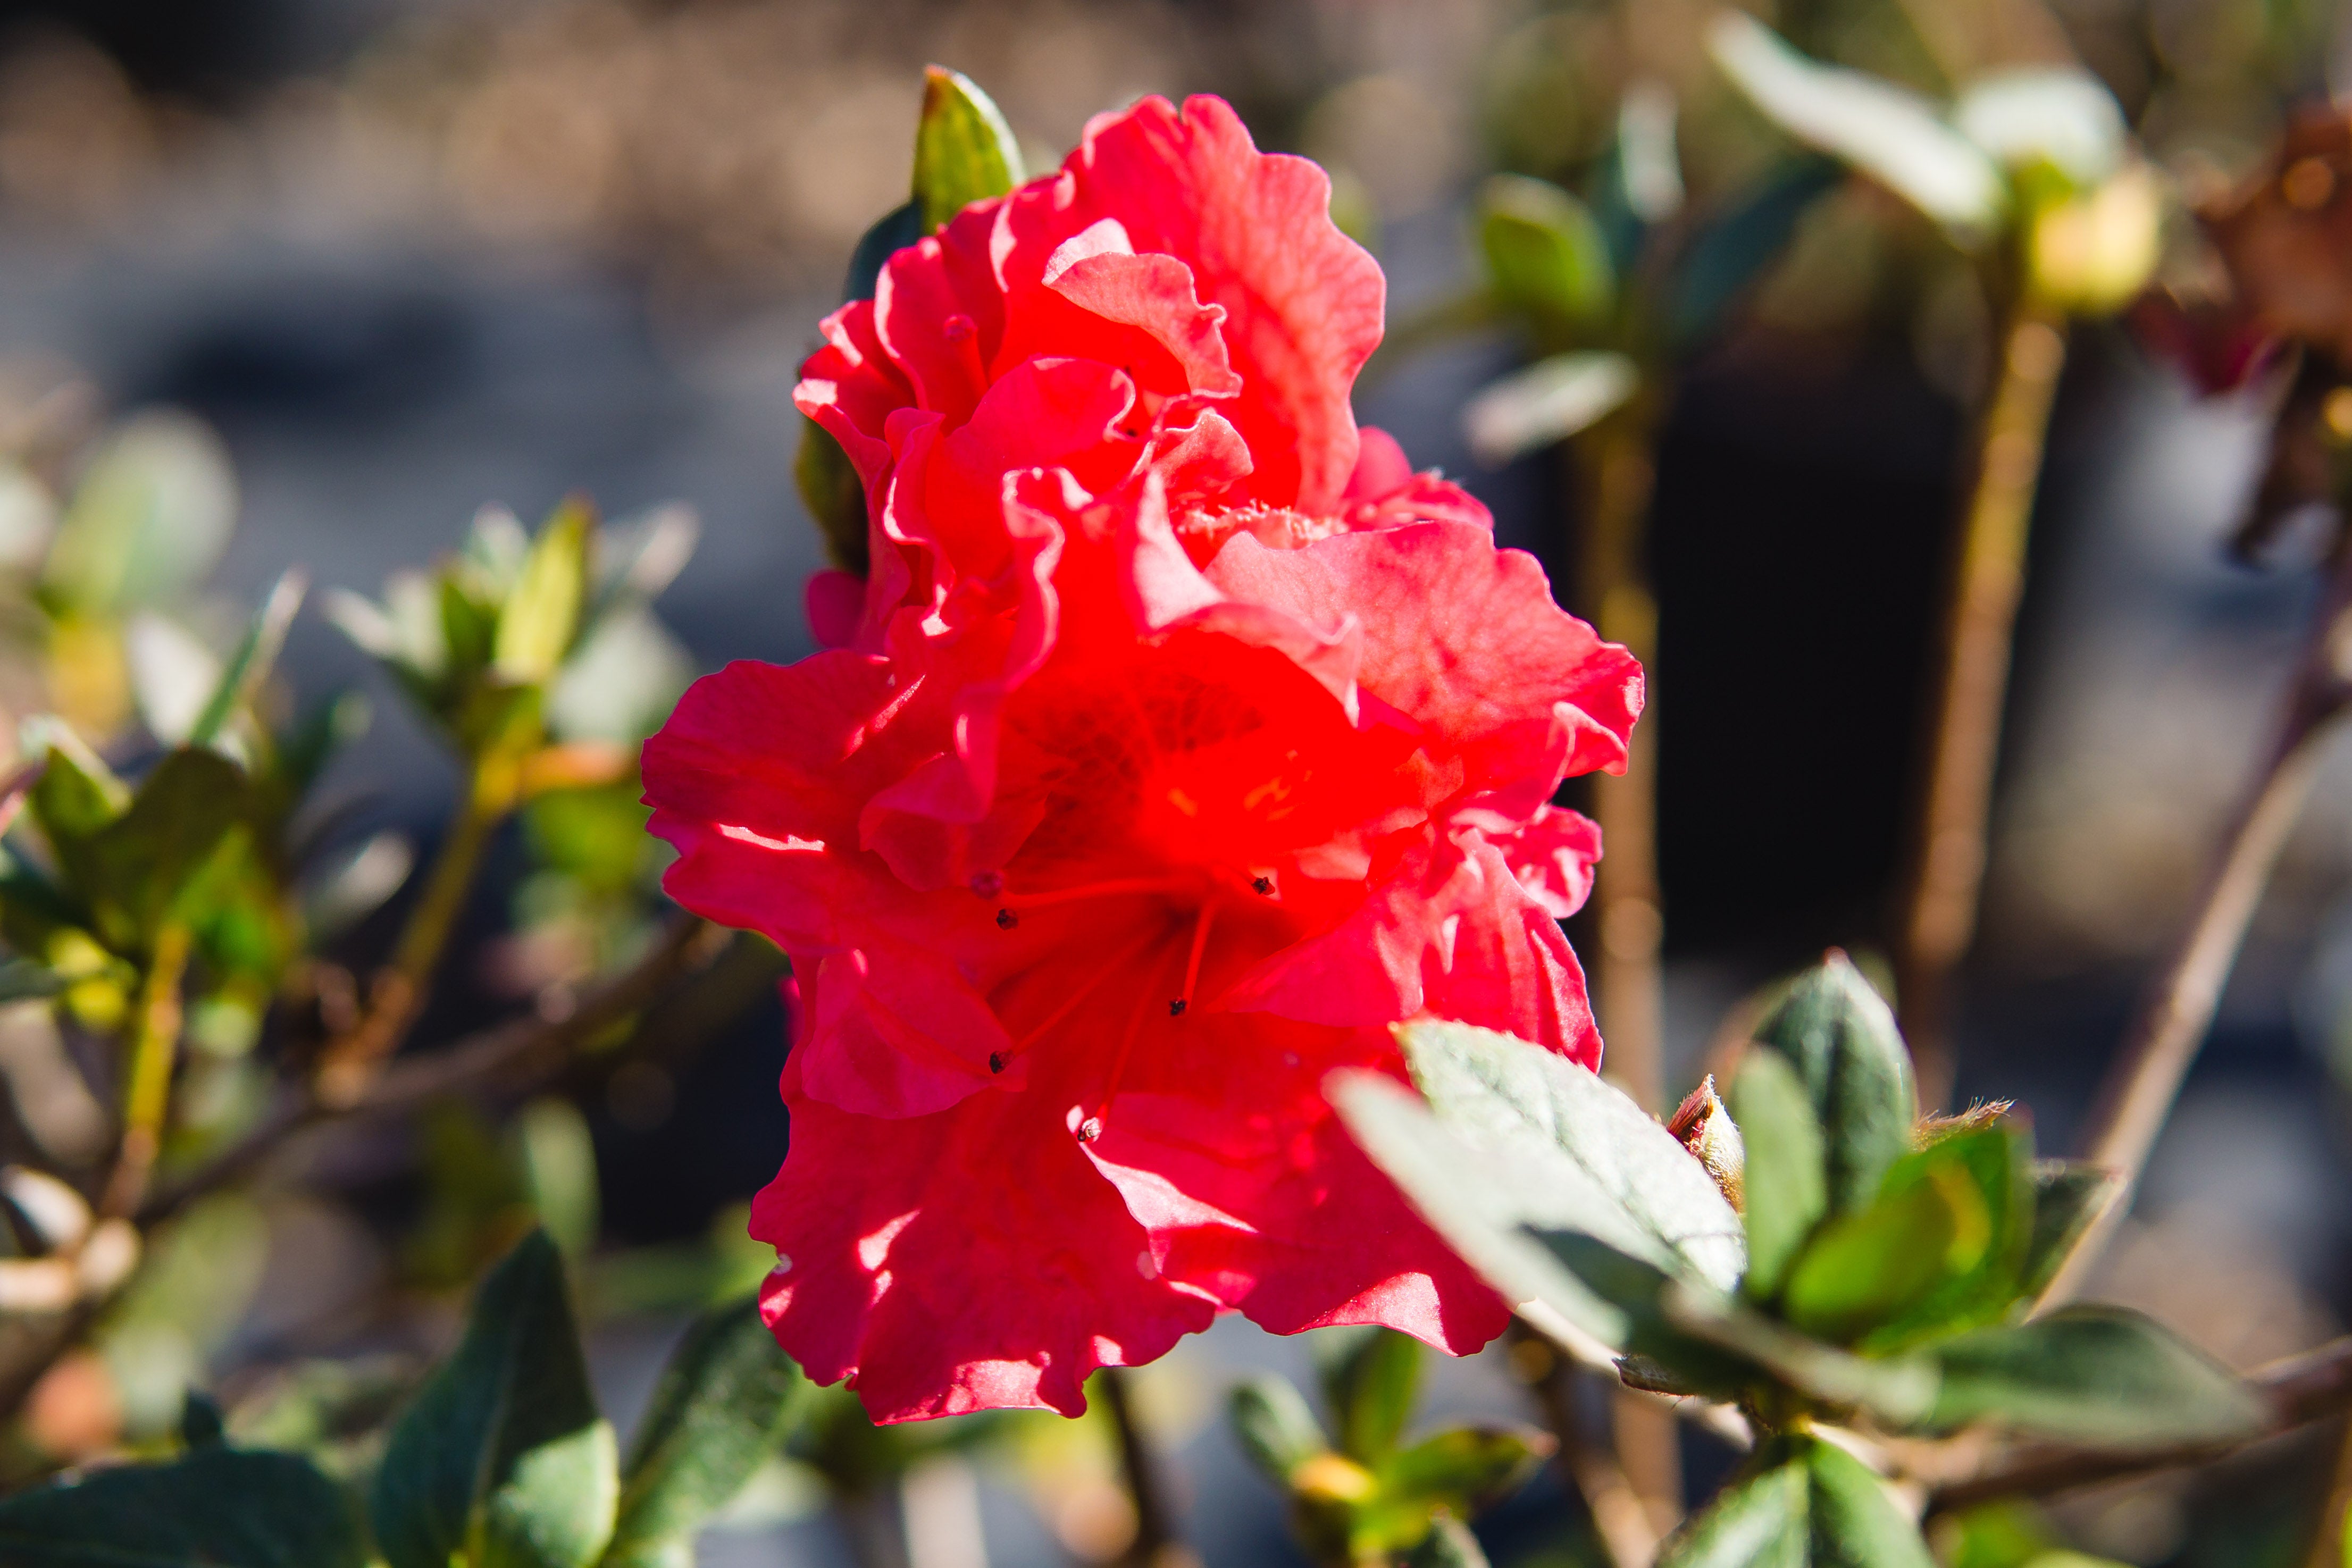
509 1053
154 1047
1155 1544
1948 831
1619 1518
2298 1391
2145 1076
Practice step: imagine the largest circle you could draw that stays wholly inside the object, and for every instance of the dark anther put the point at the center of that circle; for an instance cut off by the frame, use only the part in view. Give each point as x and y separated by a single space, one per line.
1090 1129
996 1062
1006 920
1176 1007
1261 884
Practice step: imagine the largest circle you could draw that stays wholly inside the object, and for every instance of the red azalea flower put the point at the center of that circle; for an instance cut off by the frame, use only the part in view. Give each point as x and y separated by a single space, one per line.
1184 740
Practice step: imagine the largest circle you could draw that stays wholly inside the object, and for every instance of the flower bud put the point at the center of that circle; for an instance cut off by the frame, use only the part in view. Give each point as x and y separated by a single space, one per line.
1703 1126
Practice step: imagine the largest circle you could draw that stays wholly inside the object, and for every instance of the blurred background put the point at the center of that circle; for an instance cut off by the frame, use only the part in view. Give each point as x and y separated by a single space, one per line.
406 257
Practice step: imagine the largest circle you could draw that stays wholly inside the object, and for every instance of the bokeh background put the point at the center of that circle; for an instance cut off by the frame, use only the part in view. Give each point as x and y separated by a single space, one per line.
410 256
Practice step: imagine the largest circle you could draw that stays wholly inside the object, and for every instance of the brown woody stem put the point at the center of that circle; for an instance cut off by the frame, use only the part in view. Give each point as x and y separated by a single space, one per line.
2145 1076
1945 872
1618 475
1156 1544
398 994
1622 1521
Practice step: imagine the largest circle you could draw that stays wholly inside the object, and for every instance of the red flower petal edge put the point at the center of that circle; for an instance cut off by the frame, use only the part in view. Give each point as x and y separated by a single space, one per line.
1183 740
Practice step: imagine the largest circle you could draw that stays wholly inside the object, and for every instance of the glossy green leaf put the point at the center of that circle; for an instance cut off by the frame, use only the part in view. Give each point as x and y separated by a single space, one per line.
1544 254
1839 1035
1866 1267
1607 1167
536 624
964 152
1464 1469
1370 1377
1785 1179
1996 1162
1799 1503
216 1508
2069 1199
2100 1377
503 1458
1548 401
724 1405
1277 1429
1894 136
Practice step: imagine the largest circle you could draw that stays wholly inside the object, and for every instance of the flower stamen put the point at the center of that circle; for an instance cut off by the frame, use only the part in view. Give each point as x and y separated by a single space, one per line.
1118 888
1192 961
998 1061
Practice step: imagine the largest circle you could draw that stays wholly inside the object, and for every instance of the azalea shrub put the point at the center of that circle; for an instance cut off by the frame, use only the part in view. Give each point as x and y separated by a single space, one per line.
1163 865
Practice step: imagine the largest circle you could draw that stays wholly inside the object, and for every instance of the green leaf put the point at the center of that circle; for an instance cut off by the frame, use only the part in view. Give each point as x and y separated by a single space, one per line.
1544 254
1548 401
1277 1429
216 1508
834 498
1997 1161
1855 1523
2100 1377
2069 1199
542 616
724 1405
503 1458
1449 1544
964 152
1464 1469
200 1420
1615 1173
152 514
1759 1521
1839 1035
255 654
1864 1269
1891 135
1370 1382
74 799
142 867
896 229
1734 249
1800 1503
1785 1180
557 1162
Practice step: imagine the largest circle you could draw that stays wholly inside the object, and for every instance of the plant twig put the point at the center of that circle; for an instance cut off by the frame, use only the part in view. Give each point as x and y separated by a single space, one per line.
1614 463
154 1047
1628 1534
397 995
513 1052
1947 833
1156 1544
2145 1076
2298 1391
